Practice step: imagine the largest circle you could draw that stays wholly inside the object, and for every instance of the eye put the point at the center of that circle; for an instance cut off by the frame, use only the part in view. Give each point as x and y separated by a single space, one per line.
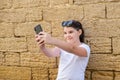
70 31
65 33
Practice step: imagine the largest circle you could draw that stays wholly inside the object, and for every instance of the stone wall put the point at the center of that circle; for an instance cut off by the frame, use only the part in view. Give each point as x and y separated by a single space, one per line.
20 57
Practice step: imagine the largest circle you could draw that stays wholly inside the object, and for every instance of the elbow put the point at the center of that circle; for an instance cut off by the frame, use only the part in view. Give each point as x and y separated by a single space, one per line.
49 56
85 55
82 55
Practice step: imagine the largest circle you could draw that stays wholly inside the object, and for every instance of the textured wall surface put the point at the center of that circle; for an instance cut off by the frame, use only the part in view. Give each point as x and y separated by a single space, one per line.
20 57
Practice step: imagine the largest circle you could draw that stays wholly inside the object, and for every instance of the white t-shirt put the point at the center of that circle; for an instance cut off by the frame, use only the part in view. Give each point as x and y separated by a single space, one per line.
72 67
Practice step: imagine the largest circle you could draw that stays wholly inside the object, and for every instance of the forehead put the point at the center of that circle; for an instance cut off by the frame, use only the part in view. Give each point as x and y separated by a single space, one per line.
68 28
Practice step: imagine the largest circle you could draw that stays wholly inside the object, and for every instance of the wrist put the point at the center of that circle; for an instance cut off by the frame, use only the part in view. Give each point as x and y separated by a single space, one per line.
42 47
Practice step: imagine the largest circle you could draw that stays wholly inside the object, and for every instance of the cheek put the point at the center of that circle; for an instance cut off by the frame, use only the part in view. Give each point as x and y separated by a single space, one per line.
64 36
75 36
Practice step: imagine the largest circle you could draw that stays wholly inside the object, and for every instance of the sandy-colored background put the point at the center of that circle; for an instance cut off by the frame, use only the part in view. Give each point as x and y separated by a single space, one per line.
20 57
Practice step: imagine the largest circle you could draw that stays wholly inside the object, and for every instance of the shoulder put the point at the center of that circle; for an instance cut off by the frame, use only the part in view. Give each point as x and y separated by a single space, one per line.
86 47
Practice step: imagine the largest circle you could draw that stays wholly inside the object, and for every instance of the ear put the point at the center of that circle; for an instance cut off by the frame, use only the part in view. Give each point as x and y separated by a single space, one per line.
80 31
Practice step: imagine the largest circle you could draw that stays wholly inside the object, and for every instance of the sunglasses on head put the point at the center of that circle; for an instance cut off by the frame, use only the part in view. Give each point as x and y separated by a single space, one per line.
67 23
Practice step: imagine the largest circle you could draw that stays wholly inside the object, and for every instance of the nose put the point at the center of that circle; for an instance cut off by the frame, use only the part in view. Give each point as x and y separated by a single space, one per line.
67 35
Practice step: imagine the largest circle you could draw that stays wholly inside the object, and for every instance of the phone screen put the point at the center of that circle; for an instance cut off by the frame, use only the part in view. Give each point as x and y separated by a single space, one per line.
38 29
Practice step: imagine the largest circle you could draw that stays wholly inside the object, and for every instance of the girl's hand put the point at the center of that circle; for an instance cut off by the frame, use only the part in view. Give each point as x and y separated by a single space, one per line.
45 38
38 40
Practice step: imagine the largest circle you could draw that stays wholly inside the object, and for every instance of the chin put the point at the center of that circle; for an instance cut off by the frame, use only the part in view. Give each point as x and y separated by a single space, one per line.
68 41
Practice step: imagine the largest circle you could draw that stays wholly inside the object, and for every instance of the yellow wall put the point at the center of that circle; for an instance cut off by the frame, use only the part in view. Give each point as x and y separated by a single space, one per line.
20 57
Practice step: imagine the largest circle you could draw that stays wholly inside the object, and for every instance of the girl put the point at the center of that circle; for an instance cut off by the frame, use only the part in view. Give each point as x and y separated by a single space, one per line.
74 53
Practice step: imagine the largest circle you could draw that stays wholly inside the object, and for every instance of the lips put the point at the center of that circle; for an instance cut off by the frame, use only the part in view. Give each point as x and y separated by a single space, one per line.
69 38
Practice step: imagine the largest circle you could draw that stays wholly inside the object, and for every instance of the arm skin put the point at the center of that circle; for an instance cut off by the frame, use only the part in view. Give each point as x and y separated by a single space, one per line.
45 38
51 52
69 47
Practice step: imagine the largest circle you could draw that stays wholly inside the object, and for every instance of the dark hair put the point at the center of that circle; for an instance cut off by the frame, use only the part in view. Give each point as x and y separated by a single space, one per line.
76 25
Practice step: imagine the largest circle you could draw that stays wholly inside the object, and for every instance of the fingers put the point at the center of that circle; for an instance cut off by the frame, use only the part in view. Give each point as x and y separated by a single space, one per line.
42 33
42 38
37 38
41 45
41 41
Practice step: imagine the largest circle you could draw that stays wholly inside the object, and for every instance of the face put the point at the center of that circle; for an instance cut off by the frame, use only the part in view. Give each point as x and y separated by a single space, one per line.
71 35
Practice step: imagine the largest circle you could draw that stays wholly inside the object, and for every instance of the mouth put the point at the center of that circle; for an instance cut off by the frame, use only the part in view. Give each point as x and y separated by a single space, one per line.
69 39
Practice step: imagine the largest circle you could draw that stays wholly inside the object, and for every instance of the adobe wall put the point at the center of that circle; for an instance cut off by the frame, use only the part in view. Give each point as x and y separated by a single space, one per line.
20 57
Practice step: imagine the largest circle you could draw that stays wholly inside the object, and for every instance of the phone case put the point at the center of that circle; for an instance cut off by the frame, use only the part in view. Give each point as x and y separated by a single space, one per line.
38 29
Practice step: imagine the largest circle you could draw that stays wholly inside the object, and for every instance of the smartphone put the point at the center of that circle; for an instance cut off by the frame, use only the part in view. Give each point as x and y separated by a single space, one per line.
38 29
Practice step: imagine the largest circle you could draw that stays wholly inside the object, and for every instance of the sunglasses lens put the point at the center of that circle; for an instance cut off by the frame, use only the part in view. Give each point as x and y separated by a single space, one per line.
64 23
67 23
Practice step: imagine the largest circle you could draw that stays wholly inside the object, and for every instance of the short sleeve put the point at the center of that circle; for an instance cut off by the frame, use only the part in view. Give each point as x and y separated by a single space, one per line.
86 47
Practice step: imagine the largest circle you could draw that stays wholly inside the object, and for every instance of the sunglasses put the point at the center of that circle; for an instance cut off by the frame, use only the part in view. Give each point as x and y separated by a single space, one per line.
67 23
